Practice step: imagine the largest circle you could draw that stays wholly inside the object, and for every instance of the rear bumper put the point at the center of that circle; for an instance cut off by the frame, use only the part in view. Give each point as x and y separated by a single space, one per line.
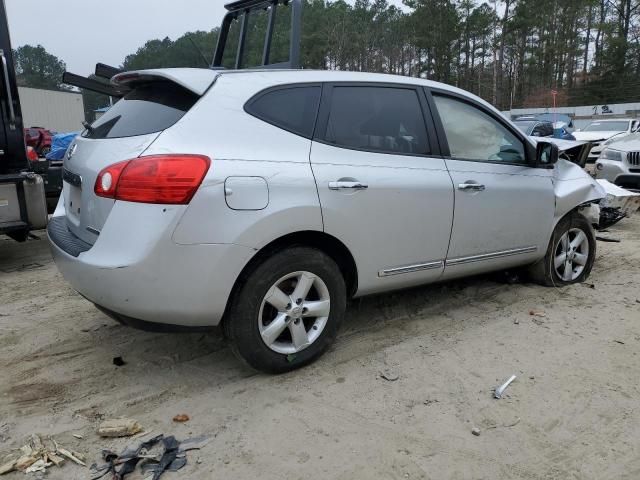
142 274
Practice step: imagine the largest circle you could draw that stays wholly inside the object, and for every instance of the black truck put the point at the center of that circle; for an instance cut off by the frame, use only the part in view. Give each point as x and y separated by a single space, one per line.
23 204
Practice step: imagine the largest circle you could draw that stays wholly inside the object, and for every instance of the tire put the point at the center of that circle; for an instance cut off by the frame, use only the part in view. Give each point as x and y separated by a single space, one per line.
245 324
545 272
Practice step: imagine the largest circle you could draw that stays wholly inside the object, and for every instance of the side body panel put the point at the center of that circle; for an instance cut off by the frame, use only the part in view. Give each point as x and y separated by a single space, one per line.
402 220
508 223
241 145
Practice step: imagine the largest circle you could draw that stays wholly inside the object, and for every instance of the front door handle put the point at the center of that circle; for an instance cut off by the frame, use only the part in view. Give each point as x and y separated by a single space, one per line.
342 185
474 187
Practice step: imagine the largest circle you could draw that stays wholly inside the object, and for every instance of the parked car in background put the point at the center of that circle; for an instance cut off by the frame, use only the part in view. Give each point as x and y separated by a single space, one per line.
537 128
619 162
597 132
263 200
39 139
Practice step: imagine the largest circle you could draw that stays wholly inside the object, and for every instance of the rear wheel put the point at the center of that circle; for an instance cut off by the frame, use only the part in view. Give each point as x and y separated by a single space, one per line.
288 310
570 255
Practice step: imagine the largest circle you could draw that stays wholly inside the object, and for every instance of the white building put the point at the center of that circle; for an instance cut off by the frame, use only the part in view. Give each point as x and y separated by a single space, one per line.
582 116
54 110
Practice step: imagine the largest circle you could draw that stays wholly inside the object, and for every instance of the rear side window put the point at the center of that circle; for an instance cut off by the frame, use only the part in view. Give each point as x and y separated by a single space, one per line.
292 108
379 119
149 108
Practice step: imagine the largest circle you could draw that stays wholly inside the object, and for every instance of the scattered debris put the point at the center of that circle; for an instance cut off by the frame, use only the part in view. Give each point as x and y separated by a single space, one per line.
609 216
608 240
533 313
588 285
38 466
516 322
154 456
119 427
119 361
429 402
506 425
475 431
73 456
500 390
78 436
619 341
37 456
181 418
389 375
618 201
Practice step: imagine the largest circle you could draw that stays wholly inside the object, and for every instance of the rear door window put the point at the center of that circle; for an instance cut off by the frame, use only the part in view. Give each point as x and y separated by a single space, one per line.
148 108
291 108
378 119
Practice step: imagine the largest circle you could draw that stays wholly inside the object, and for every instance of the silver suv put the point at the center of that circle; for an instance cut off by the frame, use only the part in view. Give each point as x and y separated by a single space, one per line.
264 200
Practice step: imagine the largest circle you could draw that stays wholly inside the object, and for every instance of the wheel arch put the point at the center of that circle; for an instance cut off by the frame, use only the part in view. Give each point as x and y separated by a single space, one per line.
322 241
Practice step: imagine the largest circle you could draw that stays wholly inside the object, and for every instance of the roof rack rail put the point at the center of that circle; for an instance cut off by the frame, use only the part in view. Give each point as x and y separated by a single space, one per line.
244 8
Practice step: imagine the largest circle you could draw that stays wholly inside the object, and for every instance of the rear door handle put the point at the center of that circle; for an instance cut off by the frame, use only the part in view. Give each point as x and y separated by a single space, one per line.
342 185
474 187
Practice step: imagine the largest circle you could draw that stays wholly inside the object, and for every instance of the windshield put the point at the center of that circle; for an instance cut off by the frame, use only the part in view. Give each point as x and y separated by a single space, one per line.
607 127
526 127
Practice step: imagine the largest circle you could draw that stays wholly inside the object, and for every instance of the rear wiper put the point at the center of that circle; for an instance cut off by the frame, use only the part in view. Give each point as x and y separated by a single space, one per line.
88 127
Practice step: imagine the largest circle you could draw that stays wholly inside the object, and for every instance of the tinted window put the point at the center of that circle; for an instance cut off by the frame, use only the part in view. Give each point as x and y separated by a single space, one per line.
293 109
526 127
377 118
147 109
473 134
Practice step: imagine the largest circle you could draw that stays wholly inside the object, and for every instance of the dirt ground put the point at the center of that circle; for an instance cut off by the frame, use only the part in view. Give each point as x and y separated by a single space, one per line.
572 413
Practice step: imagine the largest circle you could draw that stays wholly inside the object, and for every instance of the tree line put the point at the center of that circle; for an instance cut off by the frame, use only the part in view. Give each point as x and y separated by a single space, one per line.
513 53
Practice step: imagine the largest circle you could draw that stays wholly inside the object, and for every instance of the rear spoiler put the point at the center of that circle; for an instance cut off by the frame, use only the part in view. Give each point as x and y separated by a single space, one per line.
244 8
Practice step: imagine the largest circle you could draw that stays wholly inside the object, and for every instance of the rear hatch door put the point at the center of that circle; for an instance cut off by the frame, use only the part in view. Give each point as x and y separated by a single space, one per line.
157 100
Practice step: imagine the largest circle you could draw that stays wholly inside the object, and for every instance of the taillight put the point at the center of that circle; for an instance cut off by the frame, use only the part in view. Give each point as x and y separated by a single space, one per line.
167 179
32 155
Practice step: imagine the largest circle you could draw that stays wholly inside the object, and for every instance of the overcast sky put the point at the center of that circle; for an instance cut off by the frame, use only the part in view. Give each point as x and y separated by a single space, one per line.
84 32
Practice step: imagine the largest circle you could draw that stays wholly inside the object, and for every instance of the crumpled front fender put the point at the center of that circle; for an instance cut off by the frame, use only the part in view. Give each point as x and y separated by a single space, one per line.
573 187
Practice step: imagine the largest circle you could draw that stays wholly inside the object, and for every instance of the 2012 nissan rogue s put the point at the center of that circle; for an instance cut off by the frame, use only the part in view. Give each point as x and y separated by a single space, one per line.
264 200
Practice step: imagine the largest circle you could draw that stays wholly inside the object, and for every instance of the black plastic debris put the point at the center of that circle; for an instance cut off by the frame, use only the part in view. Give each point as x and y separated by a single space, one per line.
158 455
119 361
609 216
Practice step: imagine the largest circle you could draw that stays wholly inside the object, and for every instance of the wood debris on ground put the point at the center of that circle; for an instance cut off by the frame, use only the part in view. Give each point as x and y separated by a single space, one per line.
38 455
119 427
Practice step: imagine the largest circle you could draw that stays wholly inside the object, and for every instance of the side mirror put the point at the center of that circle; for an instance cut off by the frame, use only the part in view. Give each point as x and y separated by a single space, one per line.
547 153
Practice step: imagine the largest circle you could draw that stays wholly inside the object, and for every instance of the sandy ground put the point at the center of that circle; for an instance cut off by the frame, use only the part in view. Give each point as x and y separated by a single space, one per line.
573 412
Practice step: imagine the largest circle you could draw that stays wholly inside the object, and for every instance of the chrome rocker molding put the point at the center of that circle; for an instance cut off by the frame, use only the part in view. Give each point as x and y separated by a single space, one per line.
411 268
455 261
490 256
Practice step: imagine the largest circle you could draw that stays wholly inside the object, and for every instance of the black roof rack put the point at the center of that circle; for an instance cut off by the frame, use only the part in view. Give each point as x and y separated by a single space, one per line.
244 8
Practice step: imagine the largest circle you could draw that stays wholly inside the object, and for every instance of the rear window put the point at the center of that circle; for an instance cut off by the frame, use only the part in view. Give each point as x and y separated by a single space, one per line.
149 108
291 108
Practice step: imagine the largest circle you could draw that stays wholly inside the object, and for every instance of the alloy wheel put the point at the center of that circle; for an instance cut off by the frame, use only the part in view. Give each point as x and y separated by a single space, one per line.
571 254
294 312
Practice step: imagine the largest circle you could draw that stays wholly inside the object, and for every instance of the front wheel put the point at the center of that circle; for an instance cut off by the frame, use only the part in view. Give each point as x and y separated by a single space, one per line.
288 310
570 255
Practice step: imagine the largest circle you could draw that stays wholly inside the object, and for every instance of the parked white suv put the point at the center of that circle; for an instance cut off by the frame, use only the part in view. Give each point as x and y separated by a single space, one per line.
620 162
263 200
599 132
